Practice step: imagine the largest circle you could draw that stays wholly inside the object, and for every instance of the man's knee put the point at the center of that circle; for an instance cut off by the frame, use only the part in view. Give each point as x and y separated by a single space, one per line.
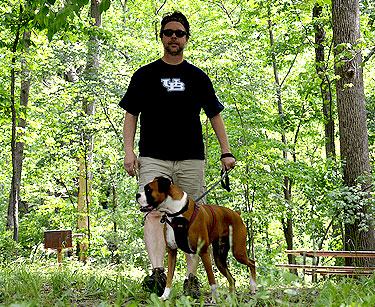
153 228
154 217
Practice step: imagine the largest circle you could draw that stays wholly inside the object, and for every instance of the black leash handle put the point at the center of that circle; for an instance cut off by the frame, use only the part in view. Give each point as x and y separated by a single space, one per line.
225 181
224 175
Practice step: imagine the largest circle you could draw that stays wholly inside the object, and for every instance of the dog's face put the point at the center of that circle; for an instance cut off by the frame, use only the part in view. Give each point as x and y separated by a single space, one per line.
154 194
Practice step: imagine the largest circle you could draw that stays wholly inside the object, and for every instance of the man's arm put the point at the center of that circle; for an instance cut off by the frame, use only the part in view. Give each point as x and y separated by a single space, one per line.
130 160
219 128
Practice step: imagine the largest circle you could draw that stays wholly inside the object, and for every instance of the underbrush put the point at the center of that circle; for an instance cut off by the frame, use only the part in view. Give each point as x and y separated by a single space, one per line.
23 283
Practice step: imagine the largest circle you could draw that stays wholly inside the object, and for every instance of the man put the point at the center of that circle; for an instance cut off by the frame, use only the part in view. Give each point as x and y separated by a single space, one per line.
168 96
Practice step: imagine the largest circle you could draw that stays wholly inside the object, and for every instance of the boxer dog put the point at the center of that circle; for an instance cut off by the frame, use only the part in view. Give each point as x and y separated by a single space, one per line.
193 228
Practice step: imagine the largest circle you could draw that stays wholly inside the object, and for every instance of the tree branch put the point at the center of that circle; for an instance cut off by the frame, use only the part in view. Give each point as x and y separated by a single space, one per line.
294 60
109 120
368 57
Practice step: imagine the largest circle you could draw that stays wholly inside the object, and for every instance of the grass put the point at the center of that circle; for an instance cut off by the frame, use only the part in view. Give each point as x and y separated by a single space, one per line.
23 283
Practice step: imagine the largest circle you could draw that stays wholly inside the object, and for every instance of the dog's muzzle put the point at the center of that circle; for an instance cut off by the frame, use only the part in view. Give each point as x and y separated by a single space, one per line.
142 201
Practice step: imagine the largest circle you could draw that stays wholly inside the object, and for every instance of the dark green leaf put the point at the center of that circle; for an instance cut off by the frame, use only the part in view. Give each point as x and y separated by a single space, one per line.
104 5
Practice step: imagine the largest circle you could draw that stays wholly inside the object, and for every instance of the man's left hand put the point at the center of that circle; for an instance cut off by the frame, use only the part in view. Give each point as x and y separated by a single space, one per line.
228 162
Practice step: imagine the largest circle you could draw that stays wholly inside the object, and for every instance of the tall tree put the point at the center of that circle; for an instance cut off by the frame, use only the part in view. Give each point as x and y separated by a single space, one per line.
18 123
22 20
287 221
86 157
351 106
325 84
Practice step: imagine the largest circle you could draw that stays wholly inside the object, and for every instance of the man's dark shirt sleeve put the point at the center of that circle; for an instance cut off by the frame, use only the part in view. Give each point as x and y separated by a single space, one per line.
211 103
131 101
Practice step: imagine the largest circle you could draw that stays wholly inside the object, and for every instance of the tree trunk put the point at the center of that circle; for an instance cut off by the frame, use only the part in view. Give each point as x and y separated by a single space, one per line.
124 9
351 108
17 145
326 93
246 188
325 86
86 158
287 223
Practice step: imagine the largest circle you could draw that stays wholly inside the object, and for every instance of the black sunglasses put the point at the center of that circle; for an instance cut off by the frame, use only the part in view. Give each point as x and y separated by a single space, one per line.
169 33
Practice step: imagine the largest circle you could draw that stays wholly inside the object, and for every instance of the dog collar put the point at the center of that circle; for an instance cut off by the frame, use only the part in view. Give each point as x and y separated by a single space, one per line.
184 208
192 218
185 225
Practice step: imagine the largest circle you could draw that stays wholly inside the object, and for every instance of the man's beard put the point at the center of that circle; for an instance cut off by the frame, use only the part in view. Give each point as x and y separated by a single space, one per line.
173 52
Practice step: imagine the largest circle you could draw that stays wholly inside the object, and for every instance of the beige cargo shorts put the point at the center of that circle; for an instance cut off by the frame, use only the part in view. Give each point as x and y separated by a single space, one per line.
188 175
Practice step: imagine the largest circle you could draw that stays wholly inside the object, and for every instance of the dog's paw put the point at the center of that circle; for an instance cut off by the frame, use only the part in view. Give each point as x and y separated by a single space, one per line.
214 292
165 295
253 286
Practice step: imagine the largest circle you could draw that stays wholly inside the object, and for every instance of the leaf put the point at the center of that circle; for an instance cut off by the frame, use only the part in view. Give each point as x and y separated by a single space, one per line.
289 277
82 2
50 33
104 5
290 291
76 9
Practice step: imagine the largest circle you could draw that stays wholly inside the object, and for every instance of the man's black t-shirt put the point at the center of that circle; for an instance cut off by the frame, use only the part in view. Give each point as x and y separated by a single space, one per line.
169 99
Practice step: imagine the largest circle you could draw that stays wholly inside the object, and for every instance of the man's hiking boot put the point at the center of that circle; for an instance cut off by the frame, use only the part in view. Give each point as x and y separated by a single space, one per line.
191 286
156 282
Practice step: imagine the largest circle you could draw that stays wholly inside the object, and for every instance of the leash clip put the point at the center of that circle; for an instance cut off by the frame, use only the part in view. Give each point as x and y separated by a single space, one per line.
163 218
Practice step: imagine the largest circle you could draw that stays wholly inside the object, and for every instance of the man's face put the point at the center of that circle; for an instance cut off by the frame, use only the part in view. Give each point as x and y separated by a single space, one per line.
174 45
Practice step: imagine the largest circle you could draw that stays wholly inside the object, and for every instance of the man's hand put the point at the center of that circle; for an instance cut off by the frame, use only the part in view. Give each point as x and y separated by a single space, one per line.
131 163
228 163
130 160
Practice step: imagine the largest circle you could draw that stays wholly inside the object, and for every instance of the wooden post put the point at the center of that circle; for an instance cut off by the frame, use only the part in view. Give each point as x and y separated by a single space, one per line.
59 257
83 199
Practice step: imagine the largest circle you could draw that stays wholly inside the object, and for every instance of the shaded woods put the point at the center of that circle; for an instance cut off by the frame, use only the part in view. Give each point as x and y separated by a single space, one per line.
296 78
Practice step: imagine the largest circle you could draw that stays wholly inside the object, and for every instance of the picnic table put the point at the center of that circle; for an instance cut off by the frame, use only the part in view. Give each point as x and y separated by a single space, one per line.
323 270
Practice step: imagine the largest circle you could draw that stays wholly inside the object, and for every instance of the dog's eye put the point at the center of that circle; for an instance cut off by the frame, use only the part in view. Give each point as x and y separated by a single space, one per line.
147 189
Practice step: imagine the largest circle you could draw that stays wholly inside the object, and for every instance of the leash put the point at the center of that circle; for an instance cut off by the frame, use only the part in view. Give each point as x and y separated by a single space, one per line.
224 175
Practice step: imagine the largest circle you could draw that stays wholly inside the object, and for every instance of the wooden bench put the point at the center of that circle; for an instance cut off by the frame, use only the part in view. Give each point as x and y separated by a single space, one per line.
330 270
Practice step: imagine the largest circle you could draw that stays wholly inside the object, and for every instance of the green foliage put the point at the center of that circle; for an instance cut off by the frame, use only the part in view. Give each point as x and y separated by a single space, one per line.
349 292
104 5
23 283
230 42
9 249
42 286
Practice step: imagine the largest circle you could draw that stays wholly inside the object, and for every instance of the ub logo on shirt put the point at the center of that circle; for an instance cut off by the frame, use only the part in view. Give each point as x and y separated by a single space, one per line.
174 85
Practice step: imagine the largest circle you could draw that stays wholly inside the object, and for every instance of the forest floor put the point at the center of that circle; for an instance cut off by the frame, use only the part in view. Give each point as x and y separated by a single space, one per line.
28 284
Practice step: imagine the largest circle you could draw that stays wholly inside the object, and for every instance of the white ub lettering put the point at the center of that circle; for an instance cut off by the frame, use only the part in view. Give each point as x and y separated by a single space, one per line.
174 85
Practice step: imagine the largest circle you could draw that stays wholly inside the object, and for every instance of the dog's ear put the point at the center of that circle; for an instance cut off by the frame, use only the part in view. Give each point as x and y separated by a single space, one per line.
164 184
